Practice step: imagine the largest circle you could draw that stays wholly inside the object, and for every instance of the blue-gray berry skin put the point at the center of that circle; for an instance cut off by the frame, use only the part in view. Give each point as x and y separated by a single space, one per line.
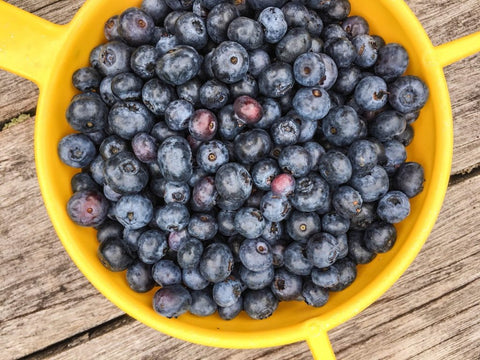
287 286
214 94
296 260
179 65
393 207
175 159
227 292
76 150
258 60
247 32
263 172
348 273
365 217
156 96
113 255
335 167
230 62
275 207
233 182
112 58
249 222
151 246
387 125
395 154
86 79
311 103
166 272
216 263
256 280
296 41
371 185
366 49
202 303
232 311
83 181
300 226
190 29
326 277
139 277
355 25
252 146
178 113
342 51
295 160
347 80
172 217
380 237
247 86
408 94
172 301
335 224
157 9
276 80
357 250
322 249
189 254
133 211
193 279
87 113
274 24
285 131
341 126
312 193
218 19
136 27
309 69
409 178
371 93
125 174
314 295
347 201
112 145
260 304
362 156
202 226
166 42
392 61
97 170
143 61
255 254
125 119
273 232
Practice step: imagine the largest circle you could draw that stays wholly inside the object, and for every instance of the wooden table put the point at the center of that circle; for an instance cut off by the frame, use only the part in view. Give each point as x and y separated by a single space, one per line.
49 310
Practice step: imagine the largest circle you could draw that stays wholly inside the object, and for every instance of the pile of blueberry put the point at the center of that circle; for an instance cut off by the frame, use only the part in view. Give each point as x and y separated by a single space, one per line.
238 153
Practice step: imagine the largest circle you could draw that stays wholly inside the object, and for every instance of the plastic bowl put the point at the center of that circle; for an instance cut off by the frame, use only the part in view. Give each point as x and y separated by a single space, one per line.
48 54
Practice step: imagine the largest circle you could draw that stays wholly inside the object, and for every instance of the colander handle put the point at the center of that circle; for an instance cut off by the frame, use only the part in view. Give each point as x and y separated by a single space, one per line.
319 344
28 43
458 49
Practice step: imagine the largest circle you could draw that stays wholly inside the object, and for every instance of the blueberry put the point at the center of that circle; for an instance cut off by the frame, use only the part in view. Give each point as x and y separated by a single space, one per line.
86 79
144 147
112 58
295 160
76 150
314 23
211 155
258 60
227 292
97 170
252 146
125 174
341 126
333 31
87 114
171 19
335 167
172 301
366 49
175 159
203 125
406 136
249 222
319 5
157 9
392 61
409 178
347 201
106 93
166 272
278 252
311 103
335 224
110 194
136 27
276 80
112 145
247 32
309 69
362 156
274 24
228 126
393 207
371 185
347 80
295 42
255 198
255 254
366 216
110 29
408 94
275 207
331 72
260 304
226 222
193 279
263 172
314 295
233 182
178 114
230 62
342 246
87 208
214 94
190 91
371 93
204 194
342 51
283 184
247 86
172 217
216 263
130 240
232 311
315 150
326 277
189 254
190 30
128 118
247 110
355 25
202 303
256 280
273 232
338 10
177 238
179 65
348 273
287 286
357 250
156 96
83 181
380 237
202 226
166 42
295 259
301 226
139 278
143 61
133 211
285 131
176 192
151 246
296 14
218 19
113 255
312 193
396 155
386 125
322 249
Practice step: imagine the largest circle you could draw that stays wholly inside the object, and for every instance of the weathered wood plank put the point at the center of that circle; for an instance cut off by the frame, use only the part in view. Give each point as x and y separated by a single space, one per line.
43 297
